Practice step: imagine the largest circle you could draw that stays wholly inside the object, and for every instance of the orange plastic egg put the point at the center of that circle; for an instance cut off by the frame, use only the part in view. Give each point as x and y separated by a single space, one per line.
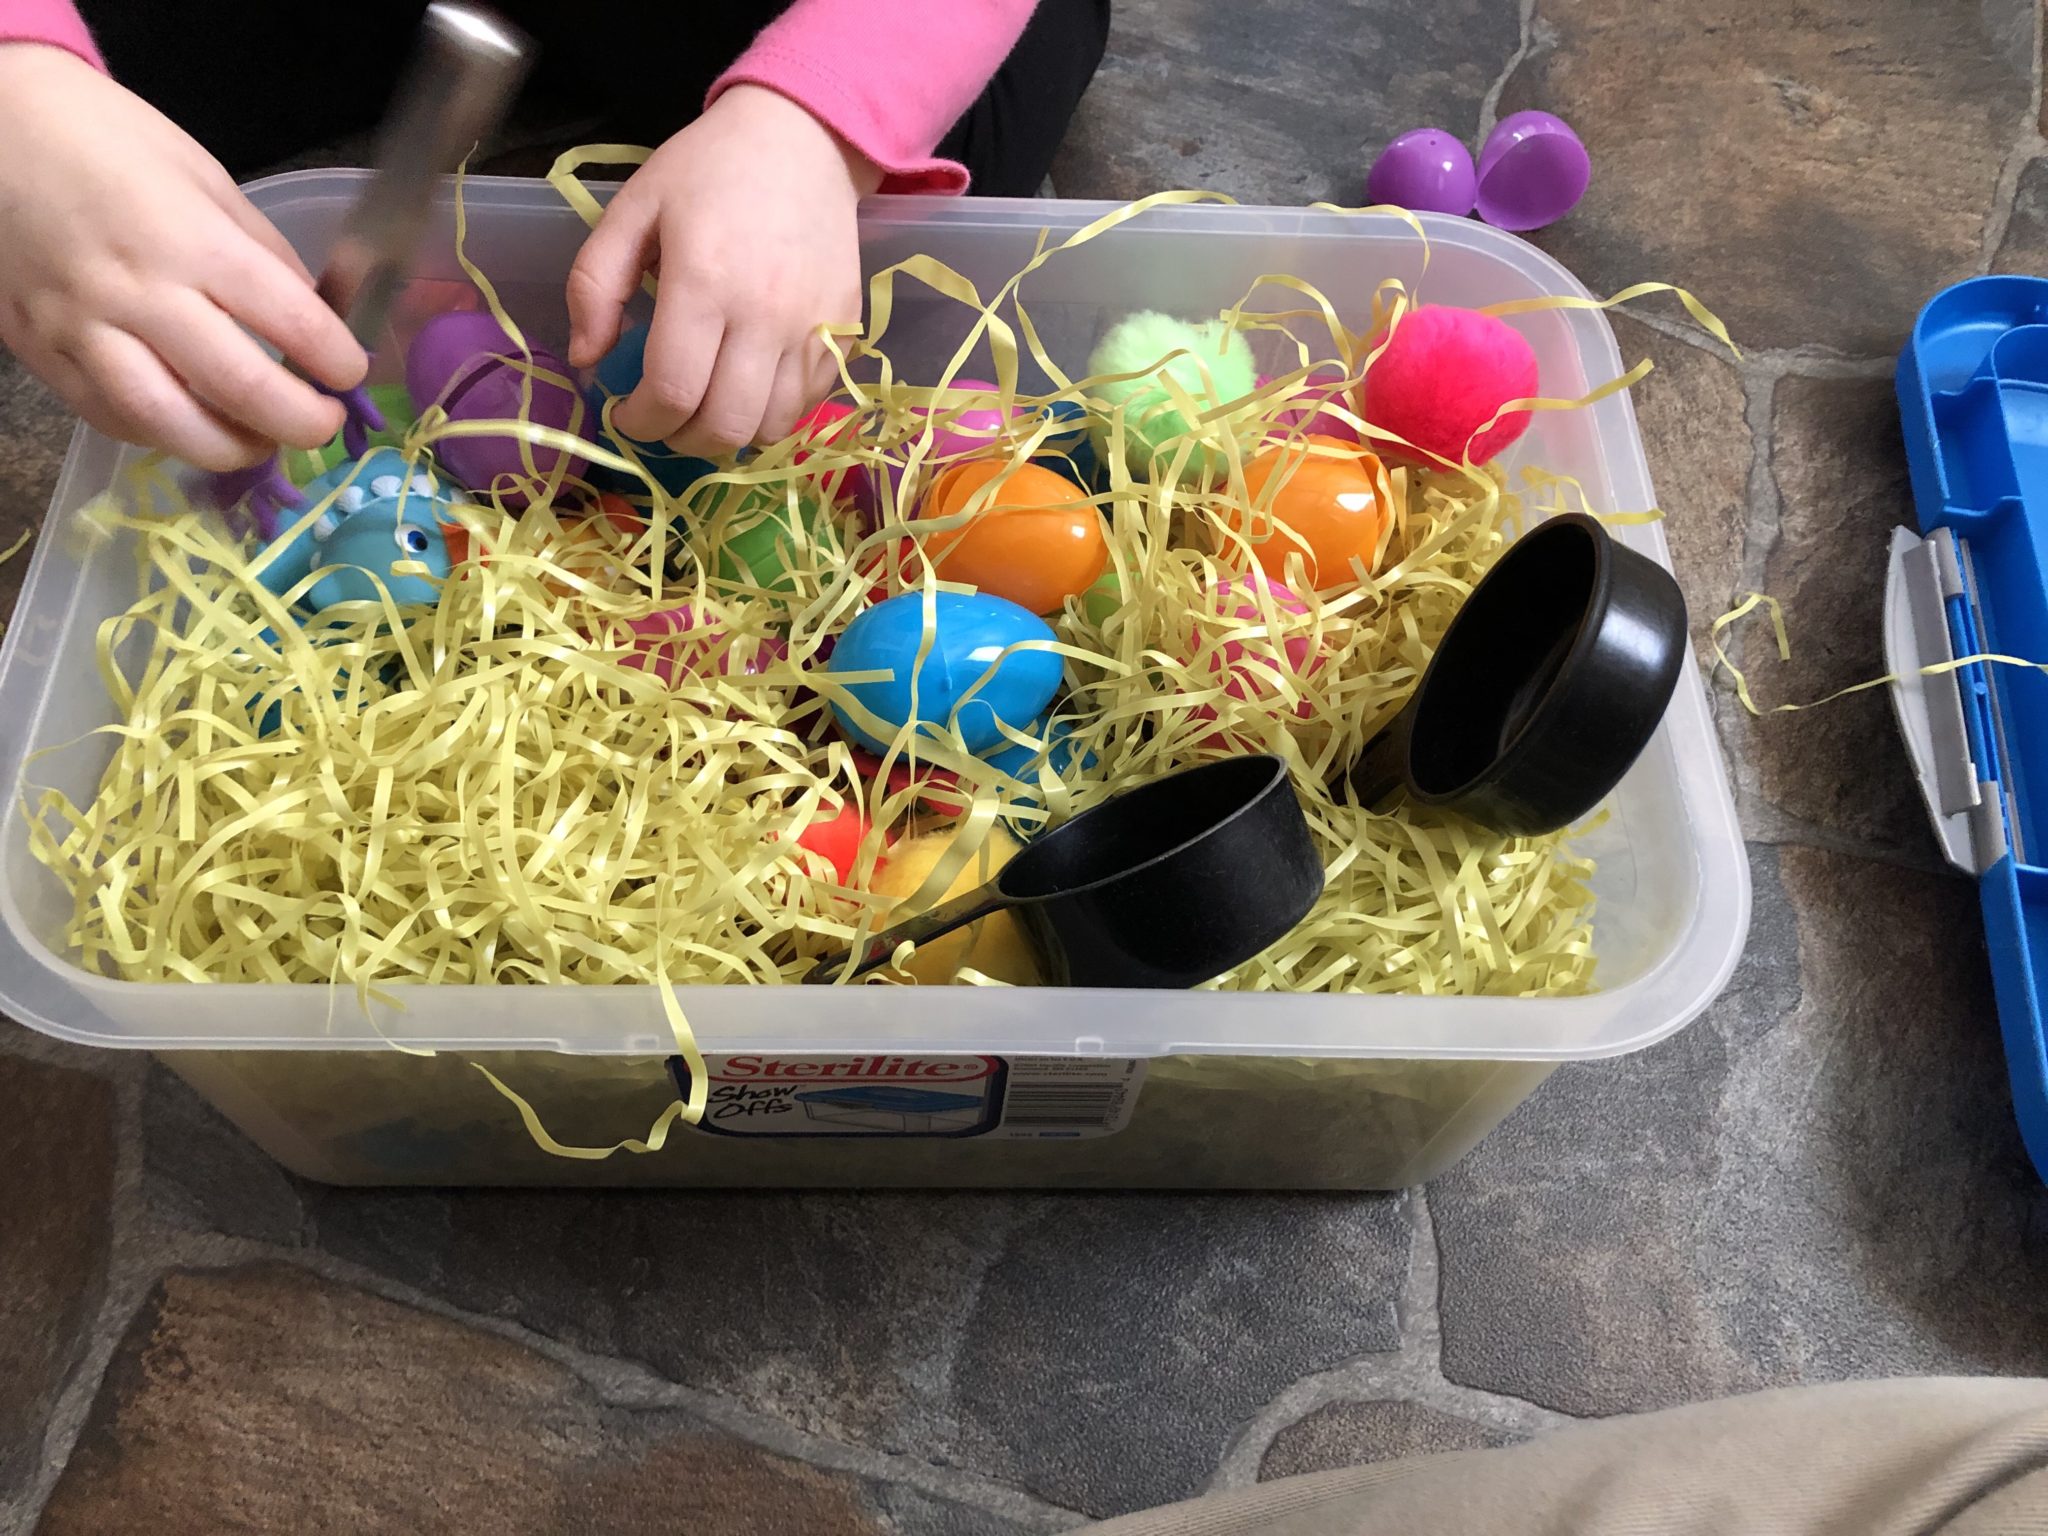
1326 508
1037 542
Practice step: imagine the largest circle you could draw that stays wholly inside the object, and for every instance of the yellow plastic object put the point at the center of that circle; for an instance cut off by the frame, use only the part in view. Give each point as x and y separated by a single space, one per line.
996 946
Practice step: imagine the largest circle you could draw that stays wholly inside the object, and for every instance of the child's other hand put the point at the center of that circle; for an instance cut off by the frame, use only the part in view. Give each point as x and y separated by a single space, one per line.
747 215
126 258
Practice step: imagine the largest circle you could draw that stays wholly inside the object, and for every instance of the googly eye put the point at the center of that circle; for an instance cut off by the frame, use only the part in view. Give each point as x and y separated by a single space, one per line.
410 539
350 498
424 485
386 486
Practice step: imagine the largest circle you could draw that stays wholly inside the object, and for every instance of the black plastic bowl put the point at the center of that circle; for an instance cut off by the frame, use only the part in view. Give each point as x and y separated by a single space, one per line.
1546 688
1166 885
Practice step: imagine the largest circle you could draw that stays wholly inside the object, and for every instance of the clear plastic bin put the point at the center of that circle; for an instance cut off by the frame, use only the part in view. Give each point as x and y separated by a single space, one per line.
1197 1089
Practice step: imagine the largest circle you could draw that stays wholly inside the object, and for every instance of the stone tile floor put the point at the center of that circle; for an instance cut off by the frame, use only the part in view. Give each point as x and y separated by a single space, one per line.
1817 1180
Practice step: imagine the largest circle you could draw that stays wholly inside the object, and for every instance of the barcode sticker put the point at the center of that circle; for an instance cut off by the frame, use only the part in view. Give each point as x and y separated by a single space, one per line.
1022 1098
1058 1098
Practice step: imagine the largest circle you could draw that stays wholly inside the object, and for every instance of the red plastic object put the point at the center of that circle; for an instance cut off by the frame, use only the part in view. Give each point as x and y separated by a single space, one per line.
837 841
826 422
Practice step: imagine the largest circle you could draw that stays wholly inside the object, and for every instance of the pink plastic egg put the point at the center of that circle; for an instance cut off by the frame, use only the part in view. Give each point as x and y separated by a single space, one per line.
1247 681
1310 419
1251 678
970 431
826 423
967 435
660 646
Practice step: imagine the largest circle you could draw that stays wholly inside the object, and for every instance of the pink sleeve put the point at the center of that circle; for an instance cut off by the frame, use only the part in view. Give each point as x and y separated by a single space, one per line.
55 22
888 76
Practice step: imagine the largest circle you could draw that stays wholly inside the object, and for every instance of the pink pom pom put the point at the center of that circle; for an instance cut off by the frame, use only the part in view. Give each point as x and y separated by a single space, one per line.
1444 375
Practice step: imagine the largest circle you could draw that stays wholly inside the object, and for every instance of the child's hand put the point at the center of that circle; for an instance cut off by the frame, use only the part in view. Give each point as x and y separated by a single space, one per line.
748 217
126 258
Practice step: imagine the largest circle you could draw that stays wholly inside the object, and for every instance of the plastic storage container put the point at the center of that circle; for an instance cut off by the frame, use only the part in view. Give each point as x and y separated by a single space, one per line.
1061 1088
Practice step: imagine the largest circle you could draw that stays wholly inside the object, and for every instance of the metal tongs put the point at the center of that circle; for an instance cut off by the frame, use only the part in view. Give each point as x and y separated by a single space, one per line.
465 71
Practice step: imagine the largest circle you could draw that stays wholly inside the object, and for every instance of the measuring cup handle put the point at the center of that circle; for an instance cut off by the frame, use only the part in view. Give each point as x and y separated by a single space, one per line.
1382 767
938 922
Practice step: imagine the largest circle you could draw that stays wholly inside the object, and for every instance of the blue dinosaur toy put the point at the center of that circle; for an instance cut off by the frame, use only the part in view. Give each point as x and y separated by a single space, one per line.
380 512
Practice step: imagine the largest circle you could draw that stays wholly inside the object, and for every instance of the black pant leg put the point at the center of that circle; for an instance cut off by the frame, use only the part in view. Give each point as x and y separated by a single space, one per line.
1008 138
257 81
647 69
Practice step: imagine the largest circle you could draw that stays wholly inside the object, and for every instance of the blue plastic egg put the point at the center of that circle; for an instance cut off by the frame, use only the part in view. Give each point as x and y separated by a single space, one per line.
969 636
1071 449
1022 763
617 375
382 512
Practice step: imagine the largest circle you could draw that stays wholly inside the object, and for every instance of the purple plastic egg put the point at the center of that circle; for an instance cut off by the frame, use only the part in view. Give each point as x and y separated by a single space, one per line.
1532 171
464 361
1426 171
448 346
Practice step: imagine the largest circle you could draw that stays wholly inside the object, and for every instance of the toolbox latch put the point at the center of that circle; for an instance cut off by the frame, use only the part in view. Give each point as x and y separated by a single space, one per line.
1961 793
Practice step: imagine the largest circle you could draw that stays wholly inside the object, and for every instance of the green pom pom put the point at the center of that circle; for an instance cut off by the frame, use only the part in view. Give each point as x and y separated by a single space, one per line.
1153 424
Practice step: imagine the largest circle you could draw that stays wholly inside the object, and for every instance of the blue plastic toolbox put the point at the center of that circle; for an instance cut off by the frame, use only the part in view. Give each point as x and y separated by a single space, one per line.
1973 393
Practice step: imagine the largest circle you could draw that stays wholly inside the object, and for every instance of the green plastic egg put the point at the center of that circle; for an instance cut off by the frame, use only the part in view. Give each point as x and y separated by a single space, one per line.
1103 598
301 465
755 540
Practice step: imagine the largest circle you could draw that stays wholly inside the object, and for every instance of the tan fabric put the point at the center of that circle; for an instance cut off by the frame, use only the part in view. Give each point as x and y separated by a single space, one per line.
1961 1457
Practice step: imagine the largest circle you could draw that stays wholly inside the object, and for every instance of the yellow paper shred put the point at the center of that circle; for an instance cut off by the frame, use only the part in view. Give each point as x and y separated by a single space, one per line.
1775 611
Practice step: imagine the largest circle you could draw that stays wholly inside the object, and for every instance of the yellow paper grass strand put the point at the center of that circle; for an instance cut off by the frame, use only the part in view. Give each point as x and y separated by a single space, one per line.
1775 610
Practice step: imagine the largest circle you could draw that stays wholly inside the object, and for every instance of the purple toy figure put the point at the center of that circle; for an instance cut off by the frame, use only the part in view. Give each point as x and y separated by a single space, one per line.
263 491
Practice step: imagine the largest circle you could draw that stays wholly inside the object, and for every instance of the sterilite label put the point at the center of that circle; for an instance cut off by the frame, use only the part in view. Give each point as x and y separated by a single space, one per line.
1024 1098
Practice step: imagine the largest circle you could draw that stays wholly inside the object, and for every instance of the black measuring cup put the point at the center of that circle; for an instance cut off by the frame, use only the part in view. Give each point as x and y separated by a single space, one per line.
1166 885
1546 688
